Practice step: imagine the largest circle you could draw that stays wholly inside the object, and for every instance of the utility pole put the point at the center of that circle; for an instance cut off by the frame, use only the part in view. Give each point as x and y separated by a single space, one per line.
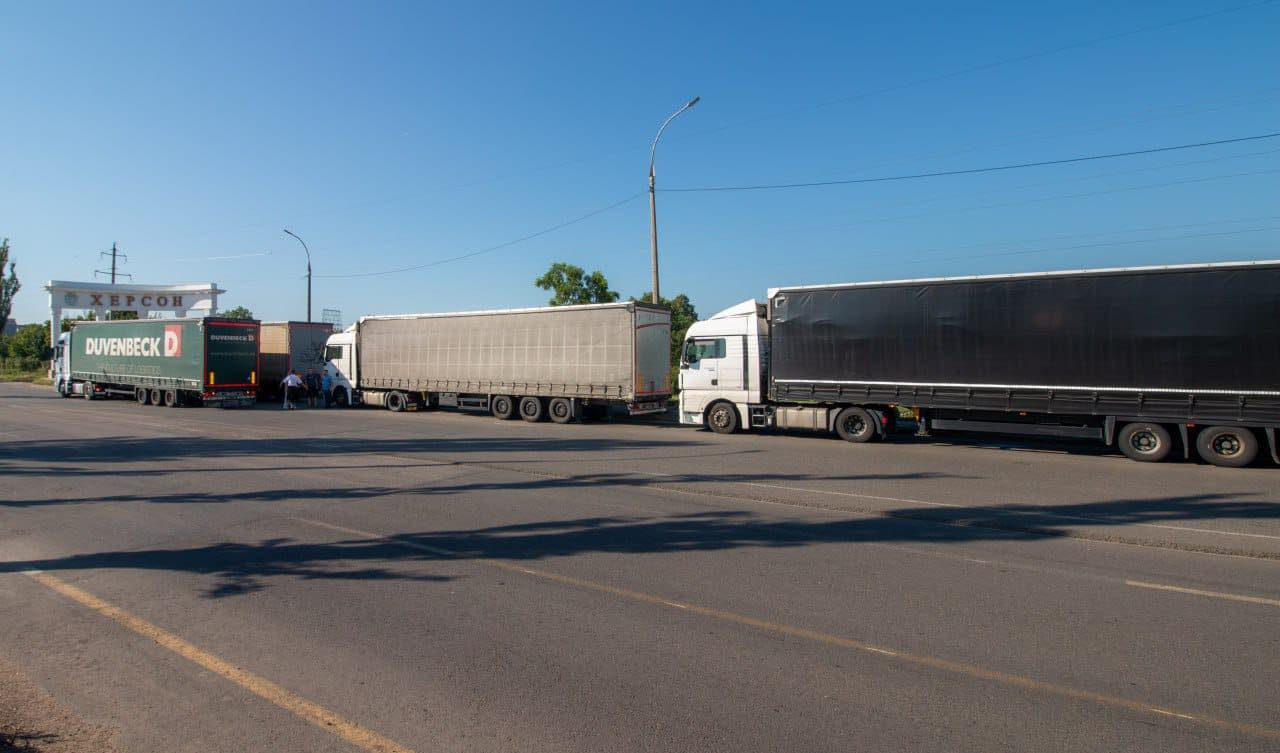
115 257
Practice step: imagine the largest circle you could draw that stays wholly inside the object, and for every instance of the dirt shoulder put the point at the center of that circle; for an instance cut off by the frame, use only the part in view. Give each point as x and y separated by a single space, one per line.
31 721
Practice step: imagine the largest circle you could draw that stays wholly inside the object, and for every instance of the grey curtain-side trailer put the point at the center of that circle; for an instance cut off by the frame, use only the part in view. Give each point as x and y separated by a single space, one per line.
558 362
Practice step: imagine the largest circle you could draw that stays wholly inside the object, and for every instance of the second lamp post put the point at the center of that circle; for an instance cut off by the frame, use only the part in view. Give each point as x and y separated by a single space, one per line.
653 203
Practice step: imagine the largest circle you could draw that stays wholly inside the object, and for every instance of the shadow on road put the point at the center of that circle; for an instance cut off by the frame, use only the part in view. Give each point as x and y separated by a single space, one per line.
239 568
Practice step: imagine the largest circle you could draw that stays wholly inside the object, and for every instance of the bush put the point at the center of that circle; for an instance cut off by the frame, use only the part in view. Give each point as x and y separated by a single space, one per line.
29 343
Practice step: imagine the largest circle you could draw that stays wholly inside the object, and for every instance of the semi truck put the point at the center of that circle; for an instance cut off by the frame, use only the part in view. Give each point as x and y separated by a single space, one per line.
289 346
559 362
169 362
1158 361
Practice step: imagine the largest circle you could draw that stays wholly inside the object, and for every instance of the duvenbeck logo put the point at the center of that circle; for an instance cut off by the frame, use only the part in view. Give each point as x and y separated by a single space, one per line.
173 340
170 346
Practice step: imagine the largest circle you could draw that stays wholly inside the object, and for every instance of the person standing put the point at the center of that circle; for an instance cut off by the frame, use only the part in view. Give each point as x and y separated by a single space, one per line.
292 383
313 387
326 384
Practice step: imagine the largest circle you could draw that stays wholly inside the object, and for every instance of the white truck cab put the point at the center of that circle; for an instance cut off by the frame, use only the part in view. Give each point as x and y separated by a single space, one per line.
340 360
722 368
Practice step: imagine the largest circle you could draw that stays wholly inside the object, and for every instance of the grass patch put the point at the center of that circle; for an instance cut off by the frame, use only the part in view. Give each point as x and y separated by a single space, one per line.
24 373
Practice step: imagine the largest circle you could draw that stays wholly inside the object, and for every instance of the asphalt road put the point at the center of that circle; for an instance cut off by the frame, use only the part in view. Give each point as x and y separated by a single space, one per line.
249 580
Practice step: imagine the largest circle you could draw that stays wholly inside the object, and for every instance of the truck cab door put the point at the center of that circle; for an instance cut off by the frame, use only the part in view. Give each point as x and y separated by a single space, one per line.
700 371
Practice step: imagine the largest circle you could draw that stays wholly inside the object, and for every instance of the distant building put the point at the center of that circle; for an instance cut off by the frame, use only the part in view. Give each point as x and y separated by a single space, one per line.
10 327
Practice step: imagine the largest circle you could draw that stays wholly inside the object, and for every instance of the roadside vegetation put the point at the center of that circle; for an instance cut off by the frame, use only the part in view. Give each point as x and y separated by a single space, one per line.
572 285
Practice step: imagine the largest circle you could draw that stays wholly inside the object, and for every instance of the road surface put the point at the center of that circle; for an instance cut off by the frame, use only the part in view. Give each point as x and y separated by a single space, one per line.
201 579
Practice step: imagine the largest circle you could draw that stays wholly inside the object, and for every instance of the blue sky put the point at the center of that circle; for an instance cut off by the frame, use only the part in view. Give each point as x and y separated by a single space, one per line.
389 135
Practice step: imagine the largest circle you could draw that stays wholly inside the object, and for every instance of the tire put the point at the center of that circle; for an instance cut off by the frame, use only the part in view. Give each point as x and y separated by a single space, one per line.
722 418
157 397
560 410
503 407
142 395
88 390
171 398
1146 443
1228 446
397 402
855 425
339 398
532 409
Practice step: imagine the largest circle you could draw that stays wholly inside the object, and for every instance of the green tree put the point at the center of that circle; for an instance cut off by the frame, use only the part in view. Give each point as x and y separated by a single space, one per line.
9 285
30 342
120 316
683 315
239 312
571 285
69 322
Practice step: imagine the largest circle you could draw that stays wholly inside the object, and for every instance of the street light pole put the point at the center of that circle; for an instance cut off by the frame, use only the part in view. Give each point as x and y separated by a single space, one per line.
653 203
304 248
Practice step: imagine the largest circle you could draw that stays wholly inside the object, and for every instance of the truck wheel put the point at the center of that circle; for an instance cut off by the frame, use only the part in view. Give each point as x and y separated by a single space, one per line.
171 398
560 409
1228 446
157 397
1148 443
855 425
722 418
396 402
502 407
340 398
88 390
532 409
142 395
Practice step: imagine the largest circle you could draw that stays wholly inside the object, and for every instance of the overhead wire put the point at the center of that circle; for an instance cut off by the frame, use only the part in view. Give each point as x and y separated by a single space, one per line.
973 170
490 249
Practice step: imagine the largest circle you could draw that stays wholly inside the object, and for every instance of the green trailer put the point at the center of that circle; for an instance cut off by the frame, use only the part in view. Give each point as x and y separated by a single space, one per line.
172 362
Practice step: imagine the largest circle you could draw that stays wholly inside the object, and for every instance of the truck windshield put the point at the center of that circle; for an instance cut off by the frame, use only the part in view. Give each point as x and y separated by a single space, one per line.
333 353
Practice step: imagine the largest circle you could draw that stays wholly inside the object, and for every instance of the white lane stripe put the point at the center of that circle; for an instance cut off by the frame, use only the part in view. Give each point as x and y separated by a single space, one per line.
1199 592
1049 513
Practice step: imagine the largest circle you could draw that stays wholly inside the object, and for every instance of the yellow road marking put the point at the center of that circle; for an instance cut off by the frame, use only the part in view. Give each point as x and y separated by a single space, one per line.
326 720
1210 594
946 665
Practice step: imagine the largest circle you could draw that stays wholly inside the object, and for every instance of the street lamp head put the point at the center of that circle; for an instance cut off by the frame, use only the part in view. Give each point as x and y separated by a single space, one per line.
694 101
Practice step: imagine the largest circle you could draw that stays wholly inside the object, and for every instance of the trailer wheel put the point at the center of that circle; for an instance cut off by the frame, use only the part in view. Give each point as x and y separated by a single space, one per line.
171 398
722 418
532 409
855 425
503 407
560 409
396 402
1148 443
142 395
1228 446
157 397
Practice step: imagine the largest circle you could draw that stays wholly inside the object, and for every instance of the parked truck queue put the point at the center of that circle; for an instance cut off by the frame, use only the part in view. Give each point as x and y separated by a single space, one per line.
1160 362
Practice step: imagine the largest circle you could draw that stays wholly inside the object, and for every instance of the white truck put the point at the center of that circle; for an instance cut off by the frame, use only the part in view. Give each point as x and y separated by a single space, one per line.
1154 360
560 362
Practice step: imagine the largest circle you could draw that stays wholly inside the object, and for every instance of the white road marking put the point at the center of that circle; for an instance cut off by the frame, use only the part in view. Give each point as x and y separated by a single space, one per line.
1198 592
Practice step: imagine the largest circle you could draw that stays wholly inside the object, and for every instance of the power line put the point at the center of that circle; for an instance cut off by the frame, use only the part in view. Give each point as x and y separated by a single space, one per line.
507 244
974 170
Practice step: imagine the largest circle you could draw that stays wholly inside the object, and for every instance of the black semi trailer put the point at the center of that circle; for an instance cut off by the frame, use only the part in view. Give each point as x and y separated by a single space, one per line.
1158 360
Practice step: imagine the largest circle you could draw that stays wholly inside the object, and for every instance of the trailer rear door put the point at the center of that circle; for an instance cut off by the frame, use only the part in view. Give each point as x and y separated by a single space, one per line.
231 354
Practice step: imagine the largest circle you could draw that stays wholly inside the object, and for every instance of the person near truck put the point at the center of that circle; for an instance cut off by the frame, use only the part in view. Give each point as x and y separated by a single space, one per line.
326 384
313 387
292 383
